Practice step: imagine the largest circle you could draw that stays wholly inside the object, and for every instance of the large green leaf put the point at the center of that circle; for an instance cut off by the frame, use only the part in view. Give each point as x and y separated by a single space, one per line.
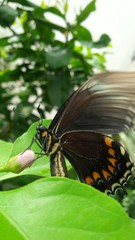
6 149
86 12
60 209
55 205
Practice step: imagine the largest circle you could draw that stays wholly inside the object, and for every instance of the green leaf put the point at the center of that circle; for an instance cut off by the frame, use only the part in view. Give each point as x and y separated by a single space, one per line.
55 11
58 58
46 33
86 12
51 25
59 209
102 42
24 140
58 95
7 16
6 149
24 3
82 34
66 7
4 41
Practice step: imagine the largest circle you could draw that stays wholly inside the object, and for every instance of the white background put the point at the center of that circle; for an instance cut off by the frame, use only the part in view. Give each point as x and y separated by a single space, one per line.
117 19
114 17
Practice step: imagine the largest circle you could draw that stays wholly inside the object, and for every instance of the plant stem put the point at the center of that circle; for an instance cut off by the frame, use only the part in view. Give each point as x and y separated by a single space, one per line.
3 169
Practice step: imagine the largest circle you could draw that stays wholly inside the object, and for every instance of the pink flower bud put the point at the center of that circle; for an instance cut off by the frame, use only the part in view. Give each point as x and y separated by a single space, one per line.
26 158
18 163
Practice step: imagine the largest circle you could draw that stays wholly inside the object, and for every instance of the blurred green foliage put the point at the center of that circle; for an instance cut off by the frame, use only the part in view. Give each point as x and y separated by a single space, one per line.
128 200
42 61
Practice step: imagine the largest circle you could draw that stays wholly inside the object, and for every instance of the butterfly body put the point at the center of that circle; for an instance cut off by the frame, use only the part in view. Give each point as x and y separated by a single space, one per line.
104 105
52 147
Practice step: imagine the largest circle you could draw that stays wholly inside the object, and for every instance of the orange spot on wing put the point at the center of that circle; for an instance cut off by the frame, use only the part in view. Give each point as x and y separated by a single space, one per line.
105 174
112 161
108 141
88 180
111 152
96 175
111 169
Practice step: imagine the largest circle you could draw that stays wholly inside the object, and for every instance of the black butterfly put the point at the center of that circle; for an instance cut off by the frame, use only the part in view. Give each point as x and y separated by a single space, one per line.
105 104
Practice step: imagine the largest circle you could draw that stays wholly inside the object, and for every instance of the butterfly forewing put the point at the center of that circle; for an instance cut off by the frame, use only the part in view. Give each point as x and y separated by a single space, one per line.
105 103
98 159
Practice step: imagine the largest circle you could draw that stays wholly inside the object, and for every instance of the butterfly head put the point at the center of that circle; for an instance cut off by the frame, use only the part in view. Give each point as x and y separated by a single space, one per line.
41 129
47 141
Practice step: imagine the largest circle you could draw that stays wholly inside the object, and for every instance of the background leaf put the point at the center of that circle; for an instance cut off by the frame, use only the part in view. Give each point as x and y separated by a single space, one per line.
86 12
102 42
82 34
58 58
7 15
24 3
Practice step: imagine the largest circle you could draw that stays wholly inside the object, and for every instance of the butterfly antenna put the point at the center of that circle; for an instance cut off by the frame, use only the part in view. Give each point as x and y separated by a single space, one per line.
23 115
41 114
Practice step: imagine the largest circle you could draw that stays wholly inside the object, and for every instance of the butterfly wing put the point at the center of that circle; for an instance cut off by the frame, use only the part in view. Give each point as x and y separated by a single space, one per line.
105 104
98 159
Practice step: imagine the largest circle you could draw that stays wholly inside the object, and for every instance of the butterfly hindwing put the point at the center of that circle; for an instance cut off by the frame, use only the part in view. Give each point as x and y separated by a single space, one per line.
98 159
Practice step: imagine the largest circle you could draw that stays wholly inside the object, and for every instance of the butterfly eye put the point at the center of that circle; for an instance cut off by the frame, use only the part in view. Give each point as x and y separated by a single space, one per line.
40 128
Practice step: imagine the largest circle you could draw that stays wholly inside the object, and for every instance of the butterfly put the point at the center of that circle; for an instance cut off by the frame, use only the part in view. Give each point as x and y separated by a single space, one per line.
81 129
